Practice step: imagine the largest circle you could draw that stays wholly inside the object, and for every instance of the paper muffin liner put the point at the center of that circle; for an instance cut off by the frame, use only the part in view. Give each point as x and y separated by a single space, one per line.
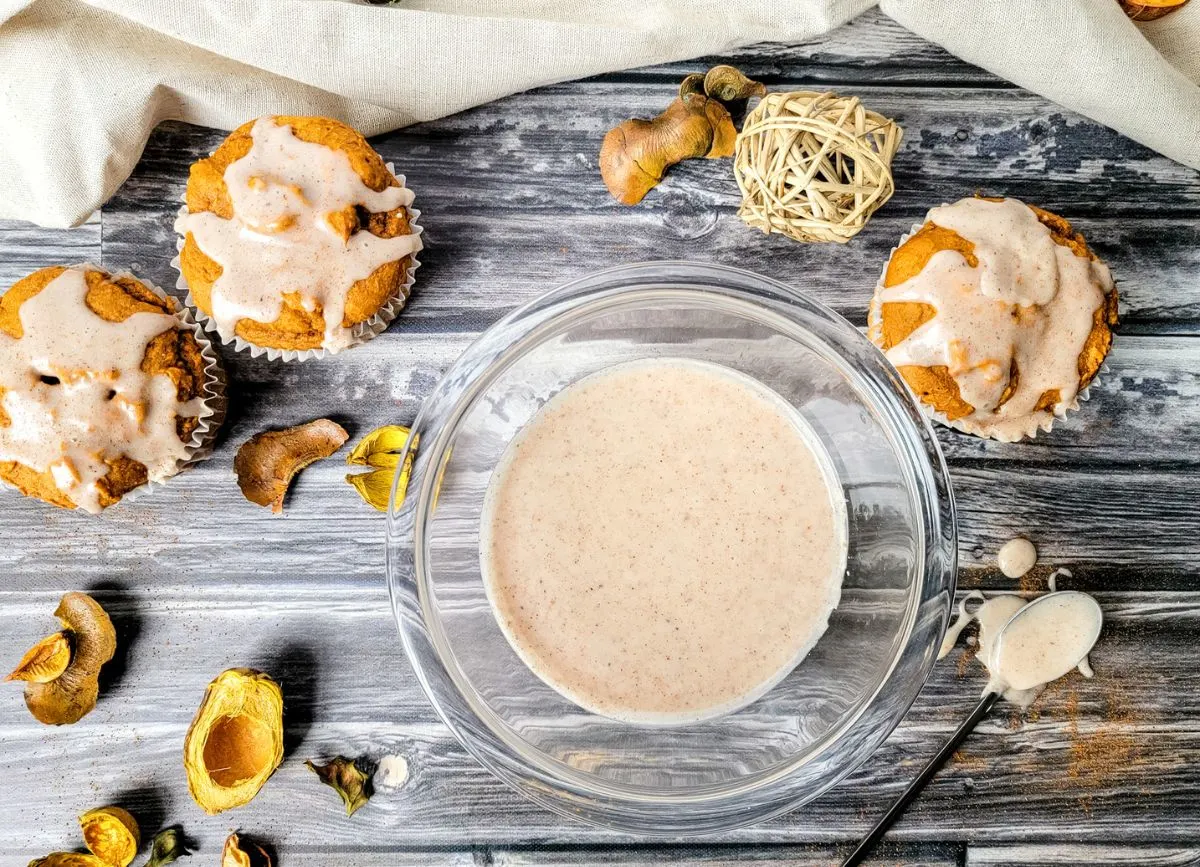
213 400
360 333
1036 423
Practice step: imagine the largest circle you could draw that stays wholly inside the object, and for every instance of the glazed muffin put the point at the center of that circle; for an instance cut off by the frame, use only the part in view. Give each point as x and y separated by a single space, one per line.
103 387
997 315
297 236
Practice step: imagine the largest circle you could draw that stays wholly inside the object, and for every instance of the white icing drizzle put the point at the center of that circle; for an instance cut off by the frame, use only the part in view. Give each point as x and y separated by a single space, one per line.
103 405
1032 654
1029 300
1052 581
1016 557
280 239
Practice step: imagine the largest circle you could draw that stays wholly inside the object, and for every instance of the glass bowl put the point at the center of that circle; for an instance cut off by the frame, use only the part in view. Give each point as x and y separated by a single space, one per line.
825 717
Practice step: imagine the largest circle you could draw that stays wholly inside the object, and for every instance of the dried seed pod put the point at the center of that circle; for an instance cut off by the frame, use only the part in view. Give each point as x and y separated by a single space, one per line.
69 859
167 848
381 448
235 741
266 463
45 661
636 154
235 854
346 778
1150 10
71 695
111 834
728 84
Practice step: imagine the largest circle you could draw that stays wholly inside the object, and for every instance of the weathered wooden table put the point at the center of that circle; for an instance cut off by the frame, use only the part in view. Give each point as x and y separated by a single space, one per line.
198 580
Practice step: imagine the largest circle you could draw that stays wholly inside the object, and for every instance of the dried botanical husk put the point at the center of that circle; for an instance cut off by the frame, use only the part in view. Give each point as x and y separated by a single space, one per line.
69 859
729 84
45 661
235 741
167 848
111 834
1150 10
234 854
266 463
345 777
636 154
381 448
71 695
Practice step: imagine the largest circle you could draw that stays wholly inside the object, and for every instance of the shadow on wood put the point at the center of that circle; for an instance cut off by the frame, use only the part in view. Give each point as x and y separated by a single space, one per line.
122 608
297 668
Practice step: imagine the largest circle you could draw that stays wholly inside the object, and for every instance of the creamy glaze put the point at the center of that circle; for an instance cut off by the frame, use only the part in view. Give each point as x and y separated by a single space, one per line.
1029 300
1052 636
103 405
662 543
1037 648
280 239
1016 557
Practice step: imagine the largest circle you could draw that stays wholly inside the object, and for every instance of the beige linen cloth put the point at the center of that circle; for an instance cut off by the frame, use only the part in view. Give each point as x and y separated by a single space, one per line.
82 84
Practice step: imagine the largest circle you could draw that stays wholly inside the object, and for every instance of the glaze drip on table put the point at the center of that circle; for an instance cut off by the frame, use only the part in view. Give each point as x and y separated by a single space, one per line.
1028 304
76 396
284 237
1034 647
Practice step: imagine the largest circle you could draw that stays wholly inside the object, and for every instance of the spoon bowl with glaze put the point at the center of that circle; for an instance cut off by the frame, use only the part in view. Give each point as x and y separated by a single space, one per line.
1041 642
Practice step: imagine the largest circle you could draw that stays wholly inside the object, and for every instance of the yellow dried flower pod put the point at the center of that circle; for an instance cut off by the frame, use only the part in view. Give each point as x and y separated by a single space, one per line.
235 741
68 859
45 661
381 448
111 834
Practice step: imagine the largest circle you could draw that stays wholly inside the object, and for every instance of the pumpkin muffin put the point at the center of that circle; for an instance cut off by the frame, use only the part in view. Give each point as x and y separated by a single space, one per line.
103 387
297 236
997 314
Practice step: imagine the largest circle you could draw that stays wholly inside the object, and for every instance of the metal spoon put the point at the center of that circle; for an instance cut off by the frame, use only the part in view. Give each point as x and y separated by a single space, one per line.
981 710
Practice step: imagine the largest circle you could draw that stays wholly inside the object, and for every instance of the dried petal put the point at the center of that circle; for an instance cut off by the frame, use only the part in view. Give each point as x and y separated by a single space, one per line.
73 693
235 855
167 848
45 661
389 439
68 859
382 448
266 463
111 834
347 779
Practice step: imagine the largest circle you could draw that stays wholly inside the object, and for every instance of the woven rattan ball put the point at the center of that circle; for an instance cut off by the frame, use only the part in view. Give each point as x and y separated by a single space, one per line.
814 166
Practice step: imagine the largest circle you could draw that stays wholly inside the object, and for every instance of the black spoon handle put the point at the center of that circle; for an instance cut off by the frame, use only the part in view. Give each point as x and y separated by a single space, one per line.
914 789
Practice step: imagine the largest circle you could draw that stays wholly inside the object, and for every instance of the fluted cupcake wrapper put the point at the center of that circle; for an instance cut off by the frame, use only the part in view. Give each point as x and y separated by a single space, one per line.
360 333
1039 423
213 400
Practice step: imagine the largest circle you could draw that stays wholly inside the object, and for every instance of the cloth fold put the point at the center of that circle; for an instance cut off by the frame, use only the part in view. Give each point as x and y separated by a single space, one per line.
84 83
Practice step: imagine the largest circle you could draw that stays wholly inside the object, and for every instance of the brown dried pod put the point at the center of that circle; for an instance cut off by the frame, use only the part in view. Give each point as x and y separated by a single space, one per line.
344 776
45 661
234 854
266 463
636 154
71 695
235 741
111 834
1150 10
728 84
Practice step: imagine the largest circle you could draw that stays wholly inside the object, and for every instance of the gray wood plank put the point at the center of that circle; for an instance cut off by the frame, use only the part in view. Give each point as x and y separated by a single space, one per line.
1110 854
1096 756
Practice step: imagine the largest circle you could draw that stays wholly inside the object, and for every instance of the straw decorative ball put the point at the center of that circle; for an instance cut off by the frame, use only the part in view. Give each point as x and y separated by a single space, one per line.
814 166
